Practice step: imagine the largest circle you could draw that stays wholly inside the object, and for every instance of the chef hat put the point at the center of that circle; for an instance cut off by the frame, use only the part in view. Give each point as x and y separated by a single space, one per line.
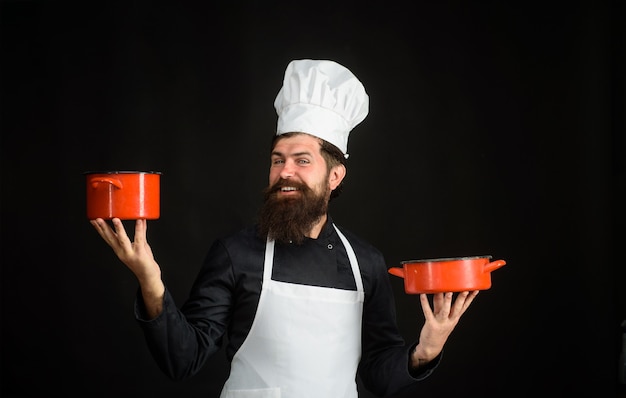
321 98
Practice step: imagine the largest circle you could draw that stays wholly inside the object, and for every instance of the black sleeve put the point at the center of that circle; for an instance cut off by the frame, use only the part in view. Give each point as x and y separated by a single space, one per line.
181 340
384 367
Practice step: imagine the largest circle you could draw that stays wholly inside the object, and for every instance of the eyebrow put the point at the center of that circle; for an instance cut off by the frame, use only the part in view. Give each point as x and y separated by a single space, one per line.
303 153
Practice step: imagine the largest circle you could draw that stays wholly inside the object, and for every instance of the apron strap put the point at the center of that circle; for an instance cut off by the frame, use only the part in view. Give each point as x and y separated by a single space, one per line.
269 260
353 261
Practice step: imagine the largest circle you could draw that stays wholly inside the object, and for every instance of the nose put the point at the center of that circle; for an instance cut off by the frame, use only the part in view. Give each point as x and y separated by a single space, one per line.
288 170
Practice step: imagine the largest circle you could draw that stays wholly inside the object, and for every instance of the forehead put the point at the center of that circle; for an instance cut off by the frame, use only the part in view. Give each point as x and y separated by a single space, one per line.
297 143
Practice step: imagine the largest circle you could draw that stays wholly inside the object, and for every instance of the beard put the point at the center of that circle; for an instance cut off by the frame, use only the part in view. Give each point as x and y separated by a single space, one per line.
289 220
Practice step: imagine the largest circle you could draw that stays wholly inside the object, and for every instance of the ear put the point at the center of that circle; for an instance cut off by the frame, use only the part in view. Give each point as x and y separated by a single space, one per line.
336 175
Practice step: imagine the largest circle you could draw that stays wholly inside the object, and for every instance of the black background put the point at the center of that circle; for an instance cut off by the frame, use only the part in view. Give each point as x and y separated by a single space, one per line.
494 128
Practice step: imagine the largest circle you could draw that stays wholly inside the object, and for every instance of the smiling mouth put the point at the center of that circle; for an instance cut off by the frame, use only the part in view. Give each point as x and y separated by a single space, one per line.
288 189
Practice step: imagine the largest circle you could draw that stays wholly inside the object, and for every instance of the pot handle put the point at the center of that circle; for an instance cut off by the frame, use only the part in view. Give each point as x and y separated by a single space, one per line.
397 271
494 265
97 180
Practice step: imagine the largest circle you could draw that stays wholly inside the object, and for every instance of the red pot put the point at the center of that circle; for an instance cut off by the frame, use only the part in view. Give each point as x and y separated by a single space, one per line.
447 274
128 195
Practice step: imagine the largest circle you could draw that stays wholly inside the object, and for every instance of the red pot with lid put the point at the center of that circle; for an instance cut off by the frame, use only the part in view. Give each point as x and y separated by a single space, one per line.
457 274
128 195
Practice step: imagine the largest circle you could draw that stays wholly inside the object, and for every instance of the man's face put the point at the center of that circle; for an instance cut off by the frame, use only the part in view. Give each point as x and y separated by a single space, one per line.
297 160
299 188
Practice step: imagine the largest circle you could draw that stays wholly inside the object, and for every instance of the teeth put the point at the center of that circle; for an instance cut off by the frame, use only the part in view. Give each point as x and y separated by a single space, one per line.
285 189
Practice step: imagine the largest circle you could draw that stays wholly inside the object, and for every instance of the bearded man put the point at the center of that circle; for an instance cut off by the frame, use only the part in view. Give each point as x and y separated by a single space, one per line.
305 306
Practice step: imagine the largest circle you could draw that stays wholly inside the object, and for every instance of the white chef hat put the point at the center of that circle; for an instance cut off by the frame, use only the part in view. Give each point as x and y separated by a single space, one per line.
321 98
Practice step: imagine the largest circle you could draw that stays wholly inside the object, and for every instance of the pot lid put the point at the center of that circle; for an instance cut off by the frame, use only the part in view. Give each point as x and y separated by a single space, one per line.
432 260
122 172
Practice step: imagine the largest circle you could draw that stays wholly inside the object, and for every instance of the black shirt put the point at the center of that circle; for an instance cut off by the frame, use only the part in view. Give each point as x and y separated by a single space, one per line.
224 297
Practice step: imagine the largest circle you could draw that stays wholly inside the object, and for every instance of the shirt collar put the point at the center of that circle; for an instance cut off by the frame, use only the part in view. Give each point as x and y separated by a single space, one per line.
328 229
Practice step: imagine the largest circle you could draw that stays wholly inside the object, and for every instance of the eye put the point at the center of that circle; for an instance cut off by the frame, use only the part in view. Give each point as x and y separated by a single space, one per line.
303 161
277 161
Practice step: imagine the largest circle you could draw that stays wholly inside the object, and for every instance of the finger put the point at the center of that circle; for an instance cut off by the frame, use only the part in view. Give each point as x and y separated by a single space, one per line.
122 237
95 224
428 312
463 302
469 299
457 307
438 301
104 230
97 227
445 304
141 226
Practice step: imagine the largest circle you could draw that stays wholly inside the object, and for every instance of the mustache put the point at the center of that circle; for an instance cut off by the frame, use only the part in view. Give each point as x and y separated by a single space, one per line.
282 183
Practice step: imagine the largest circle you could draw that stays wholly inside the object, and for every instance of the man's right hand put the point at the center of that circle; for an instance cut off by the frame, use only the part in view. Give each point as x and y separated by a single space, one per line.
138 257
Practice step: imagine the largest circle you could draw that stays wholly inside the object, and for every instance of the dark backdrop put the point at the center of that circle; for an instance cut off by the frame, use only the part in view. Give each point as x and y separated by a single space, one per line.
495 128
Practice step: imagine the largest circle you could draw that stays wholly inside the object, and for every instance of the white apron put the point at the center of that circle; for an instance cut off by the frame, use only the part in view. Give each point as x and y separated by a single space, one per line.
305 341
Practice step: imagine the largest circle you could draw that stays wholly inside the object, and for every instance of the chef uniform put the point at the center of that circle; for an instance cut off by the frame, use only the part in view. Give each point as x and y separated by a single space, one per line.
293 336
